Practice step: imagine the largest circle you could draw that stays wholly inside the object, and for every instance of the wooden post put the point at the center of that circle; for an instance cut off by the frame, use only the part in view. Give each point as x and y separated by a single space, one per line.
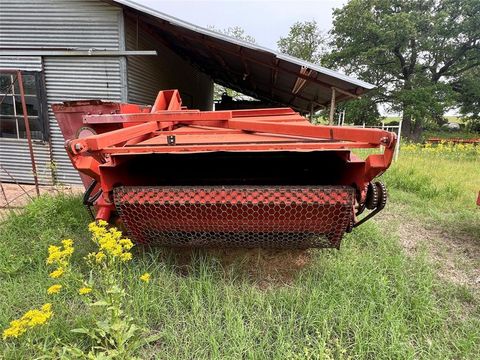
332 107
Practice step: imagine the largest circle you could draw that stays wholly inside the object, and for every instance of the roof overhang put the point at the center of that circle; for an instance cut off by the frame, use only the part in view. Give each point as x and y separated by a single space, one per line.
249 68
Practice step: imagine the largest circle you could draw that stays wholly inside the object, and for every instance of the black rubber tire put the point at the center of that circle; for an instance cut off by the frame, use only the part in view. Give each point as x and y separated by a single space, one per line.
382 195
371 202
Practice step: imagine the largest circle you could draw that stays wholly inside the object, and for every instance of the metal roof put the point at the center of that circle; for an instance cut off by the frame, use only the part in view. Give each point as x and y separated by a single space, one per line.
250 68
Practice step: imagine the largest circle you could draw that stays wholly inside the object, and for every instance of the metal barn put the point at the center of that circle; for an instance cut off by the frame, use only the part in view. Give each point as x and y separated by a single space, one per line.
118 50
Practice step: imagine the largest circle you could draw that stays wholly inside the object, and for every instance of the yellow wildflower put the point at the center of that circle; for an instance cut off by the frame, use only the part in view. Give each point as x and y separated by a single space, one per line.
54 289
126 256
99 257
57 273
110 241
30 319
67 243
60 255
117 250
85 290
17 328
145 277
126 243
54 254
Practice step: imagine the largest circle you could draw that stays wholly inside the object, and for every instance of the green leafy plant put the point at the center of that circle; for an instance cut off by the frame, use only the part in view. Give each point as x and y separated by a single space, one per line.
112 332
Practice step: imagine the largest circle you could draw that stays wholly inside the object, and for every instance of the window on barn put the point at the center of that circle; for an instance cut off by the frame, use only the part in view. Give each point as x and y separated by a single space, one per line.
12 124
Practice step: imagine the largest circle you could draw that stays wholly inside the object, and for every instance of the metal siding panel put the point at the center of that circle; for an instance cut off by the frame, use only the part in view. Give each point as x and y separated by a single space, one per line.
144 76
77 79
15 157
59 24
78 24
14 153
149 74
26 63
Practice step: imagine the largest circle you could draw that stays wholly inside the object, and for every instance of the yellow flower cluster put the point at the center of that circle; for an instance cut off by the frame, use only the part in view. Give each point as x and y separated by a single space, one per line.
145 277
60 256
29 320
57 273
54 289
443 148
85 290
110 242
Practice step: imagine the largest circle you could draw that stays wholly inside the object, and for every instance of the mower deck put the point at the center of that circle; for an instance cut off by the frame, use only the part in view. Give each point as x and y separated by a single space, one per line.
243 178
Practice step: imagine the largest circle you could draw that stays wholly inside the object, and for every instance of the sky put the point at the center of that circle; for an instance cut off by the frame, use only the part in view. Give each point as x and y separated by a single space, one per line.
265 20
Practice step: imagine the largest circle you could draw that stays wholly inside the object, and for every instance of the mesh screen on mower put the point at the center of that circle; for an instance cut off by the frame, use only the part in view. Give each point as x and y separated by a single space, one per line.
260 216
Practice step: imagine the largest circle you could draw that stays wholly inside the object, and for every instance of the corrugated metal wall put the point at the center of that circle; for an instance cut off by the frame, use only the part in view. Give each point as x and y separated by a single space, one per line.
76 79
59 23
83 25
149 74
14 153
80 24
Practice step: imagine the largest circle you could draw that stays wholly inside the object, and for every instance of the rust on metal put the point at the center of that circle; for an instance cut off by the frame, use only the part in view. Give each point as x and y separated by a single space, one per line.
282 217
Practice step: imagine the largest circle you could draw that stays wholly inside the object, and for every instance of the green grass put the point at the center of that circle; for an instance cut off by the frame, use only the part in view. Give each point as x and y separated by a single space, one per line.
445 134
450 118
440 188
367 301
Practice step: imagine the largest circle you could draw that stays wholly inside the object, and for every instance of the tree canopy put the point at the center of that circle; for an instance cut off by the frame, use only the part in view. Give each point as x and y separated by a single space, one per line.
423 56
304 41
468 89
413 50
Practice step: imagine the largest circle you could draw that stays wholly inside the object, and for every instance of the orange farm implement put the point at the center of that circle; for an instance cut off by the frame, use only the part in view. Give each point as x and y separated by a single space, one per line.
241 178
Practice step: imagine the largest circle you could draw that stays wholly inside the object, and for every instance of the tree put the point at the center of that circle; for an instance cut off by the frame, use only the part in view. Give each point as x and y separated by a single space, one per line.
238 33
468 89
411 49
360 111
304 41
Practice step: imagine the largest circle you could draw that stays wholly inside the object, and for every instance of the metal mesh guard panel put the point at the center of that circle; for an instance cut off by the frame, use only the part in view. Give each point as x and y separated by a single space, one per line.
268 217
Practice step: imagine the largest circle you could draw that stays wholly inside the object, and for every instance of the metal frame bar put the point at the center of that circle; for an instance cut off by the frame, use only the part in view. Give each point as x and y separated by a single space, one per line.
72 52
26 121
335 137
267 146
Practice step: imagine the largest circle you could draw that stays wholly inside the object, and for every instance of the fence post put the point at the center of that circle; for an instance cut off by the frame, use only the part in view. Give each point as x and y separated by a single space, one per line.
397 146
332 108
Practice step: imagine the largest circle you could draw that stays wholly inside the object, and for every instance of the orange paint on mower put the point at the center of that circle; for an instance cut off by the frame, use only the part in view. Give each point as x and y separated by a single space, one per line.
243 178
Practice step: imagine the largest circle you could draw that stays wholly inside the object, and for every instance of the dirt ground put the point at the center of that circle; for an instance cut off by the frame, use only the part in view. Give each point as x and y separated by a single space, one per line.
455 256
14 196
266 267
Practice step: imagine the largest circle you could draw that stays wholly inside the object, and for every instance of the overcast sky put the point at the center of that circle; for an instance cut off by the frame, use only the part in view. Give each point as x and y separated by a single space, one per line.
265 20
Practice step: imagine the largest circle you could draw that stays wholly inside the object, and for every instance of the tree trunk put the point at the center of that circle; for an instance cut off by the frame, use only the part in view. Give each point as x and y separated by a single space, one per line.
407 126
417 131
411 130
